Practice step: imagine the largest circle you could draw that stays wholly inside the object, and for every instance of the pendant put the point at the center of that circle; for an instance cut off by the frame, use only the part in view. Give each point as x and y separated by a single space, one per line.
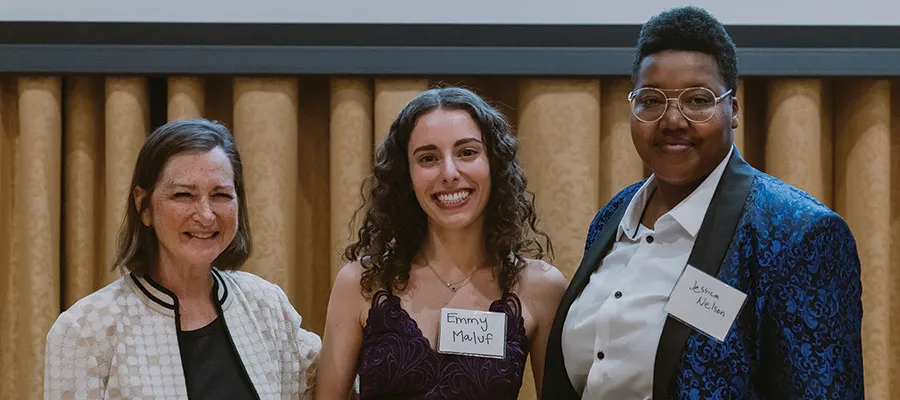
452 289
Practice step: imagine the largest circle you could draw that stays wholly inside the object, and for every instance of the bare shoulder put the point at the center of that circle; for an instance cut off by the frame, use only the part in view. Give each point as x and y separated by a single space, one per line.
541 287
347 301
544 273
541 278
349 276
347 287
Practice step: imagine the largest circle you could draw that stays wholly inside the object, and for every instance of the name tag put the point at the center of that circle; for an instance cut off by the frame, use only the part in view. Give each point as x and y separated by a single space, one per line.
472 333
705 303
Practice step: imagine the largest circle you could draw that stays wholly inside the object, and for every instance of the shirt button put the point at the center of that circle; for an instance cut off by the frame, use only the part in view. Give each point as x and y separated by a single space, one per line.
649 239
618 295
600 355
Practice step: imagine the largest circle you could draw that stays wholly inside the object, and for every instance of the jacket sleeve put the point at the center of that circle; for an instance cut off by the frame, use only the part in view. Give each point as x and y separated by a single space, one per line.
72 368
305 346
814 345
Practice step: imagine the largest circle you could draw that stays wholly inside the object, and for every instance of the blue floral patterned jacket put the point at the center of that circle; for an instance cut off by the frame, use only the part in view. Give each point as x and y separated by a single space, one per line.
799 333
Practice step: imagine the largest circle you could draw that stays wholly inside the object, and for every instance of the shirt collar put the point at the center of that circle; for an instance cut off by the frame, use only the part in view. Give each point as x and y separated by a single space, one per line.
689 213
164 301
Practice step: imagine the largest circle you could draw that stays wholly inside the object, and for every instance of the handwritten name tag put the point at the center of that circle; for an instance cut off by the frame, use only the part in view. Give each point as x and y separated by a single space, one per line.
705 303
472 333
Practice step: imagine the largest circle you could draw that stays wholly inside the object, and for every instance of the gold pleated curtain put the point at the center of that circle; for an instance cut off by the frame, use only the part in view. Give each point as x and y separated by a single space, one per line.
68 147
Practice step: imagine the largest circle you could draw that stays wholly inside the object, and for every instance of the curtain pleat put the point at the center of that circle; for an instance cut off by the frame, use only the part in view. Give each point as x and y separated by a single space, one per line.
391 94
265 128
34 268
619 163
187 98
862 197
798 138
83 188
127 125
350 157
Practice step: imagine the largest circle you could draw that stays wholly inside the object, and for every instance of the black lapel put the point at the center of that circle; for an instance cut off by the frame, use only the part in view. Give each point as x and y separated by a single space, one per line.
556 378
592 258
709 250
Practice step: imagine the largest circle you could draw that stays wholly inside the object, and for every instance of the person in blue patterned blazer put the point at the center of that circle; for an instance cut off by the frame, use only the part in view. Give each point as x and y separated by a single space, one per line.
798 334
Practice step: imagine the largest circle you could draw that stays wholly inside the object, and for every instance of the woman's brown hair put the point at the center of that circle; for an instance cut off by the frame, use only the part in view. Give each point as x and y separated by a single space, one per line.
394 223
137 246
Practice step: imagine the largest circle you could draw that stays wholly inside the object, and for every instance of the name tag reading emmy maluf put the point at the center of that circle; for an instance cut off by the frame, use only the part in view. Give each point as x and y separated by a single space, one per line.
705 303
472 333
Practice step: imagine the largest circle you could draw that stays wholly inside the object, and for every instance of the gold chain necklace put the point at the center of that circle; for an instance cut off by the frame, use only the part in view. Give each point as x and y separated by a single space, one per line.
453 285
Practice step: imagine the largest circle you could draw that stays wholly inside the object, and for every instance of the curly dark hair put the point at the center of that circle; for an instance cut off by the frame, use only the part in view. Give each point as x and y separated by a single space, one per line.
688 29
394 226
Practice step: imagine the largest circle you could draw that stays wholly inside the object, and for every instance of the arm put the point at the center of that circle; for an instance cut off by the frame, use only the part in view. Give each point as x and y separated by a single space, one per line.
71 364
814 345
543 288
343 335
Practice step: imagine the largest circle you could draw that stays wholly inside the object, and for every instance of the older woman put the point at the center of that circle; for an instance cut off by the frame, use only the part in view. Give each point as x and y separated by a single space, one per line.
182 321
447 228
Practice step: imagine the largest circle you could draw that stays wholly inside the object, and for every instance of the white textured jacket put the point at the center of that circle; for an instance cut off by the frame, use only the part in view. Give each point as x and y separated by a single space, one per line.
121 342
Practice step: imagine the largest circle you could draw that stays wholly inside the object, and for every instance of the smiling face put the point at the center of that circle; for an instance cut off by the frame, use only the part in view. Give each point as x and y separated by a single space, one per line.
193 208
680 152
449 167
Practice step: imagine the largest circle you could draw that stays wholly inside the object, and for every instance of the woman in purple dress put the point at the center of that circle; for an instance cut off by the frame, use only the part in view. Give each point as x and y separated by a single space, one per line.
448 224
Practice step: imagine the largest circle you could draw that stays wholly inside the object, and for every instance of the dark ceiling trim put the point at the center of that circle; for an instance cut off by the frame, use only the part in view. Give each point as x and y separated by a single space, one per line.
410 60
422 35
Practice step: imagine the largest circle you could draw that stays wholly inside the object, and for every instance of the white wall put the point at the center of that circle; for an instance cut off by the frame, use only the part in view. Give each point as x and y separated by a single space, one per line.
748 12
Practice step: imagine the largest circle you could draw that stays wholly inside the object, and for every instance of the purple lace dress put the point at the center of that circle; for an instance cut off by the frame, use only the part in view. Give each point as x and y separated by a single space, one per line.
397 362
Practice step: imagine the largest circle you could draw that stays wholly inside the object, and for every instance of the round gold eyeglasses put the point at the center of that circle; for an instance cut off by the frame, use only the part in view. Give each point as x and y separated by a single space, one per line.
696 104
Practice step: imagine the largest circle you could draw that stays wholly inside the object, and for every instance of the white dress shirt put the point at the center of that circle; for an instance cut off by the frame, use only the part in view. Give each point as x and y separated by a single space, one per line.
612 331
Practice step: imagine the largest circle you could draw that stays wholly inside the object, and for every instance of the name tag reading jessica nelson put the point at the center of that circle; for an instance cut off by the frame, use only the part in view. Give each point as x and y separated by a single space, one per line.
705 303
472 333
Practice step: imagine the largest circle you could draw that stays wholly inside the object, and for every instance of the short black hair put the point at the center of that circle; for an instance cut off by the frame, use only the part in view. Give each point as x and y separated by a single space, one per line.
688 29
